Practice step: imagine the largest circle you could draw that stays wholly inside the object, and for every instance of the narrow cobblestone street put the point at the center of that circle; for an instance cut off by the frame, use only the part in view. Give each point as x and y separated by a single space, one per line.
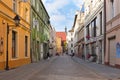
56 68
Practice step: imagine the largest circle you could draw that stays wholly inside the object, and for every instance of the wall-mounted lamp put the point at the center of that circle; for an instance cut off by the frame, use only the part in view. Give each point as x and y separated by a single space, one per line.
17 20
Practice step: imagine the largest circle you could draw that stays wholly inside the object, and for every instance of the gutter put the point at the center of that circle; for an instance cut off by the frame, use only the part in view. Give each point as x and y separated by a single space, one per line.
104 29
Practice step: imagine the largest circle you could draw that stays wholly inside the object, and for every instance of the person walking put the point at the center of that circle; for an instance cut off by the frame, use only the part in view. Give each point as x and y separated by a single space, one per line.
48 55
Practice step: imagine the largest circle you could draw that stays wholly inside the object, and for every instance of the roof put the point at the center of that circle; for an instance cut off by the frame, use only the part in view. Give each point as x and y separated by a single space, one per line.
74 21
62 35
71 30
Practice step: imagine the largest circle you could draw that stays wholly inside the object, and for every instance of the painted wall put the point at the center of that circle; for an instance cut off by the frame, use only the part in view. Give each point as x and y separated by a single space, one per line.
112 30
6 18
40 29
93 9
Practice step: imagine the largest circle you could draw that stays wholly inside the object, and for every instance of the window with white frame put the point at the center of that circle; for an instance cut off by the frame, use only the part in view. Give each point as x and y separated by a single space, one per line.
37 7
14 44
37 26
93 25
33 1
112 8
26 15
15 5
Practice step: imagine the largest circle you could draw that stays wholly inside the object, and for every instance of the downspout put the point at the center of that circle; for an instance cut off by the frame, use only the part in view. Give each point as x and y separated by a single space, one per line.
104 30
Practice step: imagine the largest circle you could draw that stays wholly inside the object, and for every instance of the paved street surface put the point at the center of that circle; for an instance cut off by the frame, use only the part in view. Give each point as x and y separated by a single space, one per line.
56 68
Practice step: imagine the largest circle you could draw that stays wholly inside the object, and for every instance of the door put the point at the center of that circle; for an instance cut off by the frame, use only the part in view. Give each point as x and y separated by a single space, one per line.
112 51
100 52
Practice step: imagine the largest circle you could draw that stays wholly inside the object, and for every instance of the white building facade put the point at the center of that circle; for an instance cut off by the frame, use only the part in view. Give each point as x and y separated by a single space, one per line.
70 45
94 29
75 27
52 41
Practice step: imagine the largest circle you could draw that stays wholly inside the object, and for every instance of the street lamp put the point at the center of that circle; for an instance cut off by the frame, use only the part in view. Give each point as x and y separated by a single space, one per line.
17 22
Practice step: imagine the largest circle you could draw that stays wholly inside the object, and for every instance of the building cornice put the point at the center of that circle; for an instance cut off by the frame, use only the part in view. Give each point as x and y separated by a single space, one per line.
117 27
113 19
44 8
93 14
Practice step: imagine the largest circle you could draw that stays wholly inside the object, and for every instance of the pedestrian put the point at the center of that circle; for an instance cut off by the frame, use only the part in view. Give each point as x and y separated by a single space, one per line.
73 54
48 55
88 56
83 56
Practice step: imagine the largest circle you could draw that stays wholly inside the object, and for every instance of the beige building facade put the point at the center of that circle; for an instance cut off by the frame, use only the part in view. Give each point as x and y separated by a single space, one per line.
112 55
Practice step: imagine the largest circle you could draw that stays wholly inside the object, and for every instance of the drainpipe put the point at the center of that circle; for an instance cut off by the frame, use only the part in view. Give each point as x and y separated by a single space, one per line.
104 30
7 60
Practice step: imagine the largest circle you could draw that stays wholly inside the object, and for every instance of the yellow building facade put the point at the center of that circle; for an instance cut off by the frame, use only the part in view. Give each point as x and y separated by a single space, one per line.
18 41
58 45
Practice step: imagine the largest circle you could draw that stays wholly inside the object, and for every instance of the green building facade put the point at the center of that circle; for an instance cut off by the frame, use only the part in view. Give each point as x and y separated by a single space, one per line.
39 30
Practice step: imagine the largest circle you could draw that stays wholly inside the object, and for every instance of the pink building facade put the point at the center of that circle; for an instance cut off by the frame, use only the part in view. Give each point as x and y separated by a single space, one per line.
112 53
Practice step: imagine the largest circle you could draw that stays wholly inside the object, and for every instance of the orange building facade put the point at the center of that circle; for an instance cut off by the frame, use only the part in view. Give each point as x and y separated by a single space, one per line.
18 41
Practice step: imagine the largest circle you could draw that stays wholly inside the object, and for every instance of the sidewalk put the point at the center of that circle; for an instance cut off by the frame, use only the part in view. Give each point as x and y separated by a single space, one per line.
30 65
106 71
26 71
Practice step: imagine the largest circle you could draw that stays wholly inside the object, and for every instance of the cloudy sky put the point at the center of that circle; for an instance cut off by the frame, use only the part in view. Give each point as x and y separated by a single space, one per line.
62 12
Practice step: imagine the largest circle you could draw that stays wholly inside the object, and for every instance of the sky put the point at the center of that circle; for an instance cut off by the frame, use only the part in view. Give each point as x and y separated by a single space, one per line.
62 12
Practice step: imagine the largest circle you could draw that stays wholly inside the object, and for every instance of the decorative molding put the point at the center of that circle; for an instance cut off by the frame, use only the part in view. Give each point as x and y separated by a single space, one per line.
113 19
114 28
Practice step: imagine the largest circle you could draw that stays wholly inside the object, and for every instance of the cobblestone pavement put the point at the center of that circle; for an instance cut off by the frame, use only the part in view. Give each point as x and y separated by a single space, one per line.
56 68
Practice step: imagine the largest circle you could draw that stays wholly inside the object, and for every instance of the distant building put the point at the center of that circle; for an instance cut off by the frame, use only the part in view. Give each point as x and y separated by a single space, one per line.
78 34
70 44
58 45
75 29
52 39
62 35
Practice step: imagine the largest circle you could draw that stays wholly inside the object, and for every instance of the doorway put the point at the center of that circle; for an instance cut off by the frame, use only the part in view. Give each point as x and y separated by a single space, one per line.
112 51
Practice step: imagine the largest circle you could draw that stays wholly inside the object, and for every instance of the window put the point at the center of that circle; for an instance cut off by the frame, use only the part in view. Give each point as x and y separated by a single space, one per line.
100 23
71 51
15 5
14 44
112 8
26 46
38 23
71 39
87 32
37 7
71 33
34 22
40 10
33 1
26 15
71 45
93 24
